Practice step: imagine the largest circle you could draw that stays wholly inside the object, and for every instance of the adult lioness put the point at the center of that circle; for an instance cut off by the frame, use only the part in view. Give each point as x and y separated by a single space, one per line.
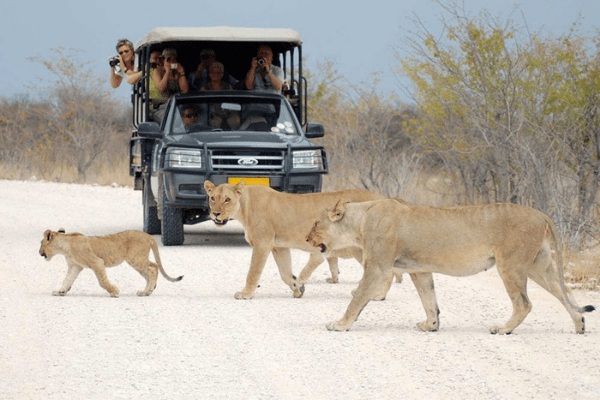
274 222
457 241
99 252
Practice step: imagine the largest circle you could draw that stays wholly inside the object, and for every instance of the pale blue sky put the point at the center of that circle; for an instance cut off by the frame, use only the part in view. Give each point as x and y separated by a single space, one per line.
359 37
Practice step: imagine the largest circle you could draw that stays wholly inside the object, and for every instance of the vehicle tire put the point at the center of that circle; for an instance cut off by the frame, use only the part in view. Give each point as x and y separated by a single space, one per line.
151 222
171 224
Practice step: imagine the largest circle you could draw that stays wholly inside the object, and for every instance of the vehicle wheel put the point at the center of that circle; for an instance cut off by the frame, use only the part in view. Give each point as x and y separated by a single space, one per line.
171 224
151 221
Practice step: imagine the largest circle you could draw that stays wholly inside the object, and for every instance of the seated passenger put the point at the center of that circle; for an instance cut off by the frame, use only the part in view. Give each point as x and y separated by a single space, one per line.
157 99
258 117
189 115
200 78
263 75
216 82
223 119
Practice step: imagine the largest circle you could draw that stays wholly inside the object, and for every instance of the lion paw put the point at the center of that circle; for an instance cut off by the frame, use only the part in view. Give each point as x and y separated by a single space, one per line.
426 327
500 330
299 292
332 280
335 326
143 293
59 293
243 296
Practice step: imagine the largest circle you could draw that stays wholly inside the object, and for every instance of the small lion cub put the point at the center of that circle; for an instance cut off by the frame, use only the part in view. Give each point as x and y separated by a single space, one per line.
100 252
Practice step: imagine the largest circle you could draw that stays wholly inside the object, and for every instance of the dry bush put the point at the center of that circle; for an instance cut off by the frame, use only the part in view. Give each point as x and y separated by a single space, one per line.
73 132
581 269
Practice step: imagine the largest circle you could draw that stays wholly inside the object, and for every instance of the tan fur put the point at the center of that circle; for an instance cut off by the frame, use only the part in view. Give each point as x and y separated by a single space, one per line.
101 252
274 222
457 241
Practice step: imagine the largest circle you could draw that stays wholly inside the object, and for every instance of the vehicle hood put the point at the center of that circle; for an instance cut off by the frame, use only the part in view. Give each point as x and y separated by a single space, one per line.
234 138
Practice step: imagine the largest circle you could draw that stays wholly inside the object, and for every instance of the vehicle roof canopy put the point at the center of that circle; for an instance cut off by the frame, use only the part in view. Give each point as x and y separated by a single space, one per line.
221 34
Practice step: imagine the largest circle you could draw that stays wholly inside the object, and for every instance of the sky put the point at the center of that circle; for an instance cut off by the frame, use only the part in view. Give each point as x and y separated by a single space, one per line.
360 38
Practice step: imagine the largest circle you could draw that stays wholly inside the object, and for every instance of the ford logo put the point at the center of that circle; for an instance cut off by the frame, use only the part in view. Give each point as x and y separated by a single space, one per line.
248 161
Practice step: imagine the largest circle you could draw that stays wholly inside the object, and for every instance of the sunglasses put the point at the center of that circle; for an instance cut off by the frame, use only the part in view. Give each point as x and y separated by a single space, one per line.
123 52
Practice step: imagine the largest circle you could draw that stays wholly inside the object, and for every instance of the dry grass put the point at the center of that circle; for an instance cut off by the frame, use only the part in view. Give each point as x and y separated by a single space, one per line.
101 174
582 270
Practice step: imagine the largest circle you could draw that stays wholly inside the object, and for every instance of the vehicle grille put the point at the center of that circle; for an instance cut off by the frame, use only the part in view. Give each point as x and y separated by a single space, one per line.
255 161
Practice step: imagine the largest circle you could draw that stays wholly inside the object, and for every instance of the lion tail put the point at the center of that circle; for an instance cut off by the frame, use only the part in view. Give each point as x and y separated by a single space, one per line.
586 309
154 247
558 243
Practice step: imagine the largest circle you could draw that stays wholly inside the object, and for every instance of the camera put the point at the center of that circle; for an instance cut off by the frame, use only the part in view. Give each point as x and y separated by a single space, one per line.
152 65
261 61
174 66
113 62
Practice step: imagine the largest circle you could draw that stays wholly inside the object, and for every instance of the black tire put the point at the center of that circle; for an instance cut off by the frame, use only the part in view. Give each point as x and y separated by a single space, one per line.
152 224
171 224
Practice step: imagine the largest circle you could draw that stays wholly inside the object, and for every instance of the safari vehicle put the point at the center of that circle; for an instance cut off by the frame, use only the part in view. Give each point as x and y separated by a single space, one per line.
261 138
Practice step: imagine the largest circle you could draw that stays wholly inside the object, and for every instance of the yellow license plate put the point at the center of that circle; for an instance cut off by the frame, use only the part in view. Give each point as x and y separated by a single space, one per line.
249 181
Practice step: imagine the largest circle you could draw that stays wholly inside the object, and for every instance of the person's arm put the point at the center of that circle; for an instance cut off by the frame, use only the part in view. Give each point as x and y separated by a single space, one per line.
161 79
276 78
134 77
115 79
184 86
183 83
250 75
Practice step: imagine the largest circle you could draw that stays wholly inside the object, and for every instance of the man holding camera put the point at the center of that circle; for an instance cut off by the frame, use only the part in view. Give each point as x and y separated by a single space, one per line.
199 78
263 75
123 65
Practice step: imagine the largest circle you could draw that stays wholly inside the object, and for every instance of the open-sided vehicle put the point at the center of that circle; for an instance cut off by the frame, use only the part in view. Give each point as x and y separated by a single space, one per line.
262 138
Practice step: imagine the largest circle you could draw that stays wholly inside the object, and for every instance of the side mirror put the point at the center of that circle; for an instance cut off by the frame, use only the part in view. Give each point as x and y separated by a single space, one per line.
314 130
149 130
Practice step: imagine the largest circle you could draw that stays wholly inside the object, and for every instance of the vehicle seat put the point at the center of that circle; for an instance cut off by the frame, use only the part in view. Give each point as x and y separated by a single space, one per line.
255 123
258 117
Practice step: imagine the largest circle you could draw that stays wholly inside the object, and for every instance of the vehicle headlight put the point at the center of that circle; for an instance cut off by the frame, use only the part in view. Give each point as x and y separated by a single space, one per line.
308 159
183 158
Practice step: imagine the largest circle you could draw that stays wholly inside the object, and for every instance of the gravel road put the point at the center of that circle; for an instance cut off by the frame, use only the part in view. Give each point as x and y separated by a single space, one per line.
192 339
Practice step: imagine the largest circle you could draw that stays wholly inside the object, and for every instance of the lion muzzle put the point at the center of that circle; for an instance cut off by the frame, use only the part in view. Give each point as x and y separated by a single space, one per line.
216 220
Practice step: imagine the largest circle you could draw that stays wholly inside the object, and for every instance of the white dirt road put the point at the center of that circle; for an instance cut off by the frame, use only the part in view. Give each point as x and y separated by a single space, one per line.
192 339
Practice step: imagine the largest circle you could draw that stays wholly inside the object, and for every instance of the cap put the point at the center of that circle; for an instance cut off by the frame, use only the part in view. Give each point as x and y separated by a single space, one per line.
207 52
169 52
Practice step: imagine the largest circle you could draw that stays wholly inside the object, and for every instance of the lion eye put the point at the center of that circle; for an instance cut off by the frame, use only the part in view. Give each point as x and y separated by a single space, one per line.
212 199
227 200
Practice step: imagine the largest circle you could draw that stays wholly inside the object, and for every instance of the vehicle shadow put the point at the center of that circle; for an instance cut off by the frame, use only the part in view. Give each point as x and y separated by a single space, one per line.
207 233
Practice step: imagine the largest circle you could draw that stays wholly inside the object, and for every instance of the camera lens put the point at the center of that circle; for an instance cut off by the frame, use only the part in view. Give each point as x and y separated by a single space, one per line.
261 61
113 62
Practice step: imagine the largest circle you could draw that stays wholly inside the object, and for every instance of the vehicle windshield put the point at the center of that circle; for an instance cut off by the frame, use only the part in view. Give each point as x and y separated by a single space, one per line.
209 114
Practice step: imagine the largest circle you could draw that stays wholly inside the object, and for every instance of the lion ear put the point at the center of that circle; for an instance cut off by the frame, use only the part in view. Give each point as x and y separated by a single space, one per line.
338 211
47 233
209 186
61 230
239 187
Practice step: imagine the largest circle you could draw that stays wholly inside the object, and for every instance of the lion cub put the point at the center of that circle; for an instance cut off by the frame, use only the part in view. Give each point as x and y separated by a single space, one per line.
99 252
